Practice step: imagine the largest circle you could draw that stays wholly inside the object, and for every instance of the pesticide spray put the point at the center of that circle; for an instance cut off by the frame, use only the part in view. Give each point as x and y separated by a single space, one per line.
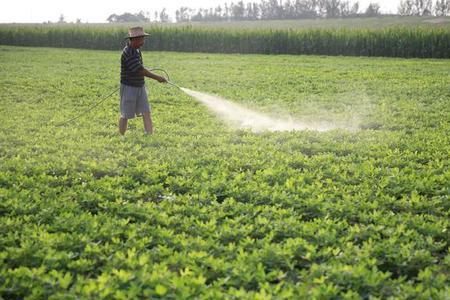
245 118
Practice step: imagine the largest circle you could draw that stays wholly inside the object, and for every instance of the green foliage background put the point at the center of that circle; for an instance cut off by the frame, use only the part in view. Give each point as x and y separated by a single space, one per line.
421 42
202 210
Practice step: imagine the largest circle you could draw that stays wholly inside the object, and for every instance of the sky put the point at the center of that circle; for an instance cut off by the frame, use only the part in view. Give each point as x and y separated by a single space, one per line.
92 11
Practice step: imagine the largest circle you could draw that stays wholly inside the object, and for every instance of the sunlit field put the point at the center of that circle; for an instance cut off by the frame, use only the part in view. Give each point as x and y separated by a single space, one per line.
202 209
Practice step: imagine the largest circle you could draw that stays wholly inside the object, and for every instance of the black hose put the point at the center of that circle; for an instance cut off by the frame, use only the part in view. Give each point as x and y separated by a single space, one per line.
88 109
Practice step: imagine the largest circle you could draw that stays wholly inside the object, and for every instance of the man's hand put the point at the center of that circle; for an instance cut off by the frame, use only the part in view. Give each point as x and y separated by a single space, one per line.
161 79
152 75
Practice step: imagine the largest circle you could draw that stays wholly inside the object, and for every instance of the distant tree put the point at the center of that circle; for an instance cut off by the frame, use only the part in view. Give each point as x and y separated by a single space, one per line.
288 10
256 11
331 8
61 19
265 10
128 17
237 10
355 9
415 7
78 21
305 9
226 14
248 13
372 10
344 9
405 8
112 18
270 9
425 8
210 15
142 16
198 16
182 14
277 9
218 13
148 16
163 16
442 8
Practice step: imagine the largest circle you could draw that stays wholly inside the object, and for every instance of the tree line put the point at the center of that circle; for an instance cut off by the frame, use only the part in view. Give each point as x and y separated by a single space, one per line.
141 16
439 8
286 9
277 10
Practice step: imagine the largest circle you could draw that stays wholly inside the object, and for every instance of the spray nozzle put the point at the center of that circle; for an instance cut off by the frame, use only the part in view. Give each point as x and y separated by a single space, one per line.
166 75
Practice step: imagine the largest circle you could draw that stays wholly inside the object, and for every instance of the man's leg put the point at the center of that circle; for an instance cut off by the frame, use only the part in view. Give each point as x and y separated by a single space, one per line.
148 125
122 125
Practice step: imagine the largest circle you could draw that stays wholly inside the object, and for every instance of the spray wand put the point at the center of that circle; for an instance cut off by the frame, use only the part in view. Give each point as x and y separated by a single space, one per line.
167 77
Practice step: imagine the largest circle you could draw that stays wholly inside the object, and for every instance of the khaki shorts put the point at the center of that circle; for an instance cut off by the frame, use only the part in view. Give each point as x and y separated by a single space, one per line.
133 101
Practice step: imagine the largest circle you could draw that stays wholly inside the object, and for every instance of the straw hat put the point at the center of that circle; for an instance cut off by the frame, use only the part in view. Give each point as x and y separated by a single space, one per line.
135 32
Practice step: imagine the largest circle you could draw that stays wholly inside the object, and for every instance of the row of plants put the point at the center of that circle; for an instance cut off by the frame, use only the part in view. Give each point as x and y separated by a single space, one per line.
387 42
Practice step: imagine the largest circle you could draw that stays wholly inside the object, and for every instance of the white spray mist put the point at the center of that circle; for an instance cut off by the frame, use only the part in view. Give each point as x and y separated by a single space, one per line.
242 117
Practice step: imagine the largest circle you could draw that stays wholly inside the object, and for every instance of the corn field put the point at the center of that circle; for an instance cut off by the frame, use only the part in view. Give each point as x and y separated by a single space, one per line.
389 42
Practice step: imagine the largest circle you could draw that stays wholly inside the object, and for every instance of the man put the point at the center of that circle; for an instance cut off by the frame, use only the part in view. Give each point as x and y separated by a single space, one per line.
133 96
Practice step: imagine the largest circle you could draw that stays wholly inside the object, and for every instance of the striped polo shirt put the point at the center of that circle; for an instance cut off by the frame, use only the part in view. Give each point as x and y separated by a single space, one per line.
130 65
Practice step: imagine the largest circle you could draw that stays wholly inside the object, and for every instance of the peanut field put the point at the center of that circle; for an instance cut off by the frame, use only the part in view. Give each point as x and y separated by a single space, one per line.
204 210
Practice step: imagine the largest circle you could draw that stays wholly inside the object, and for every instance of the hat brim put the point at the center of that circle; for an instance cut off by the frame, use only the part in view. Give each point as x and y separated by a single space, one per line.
138 36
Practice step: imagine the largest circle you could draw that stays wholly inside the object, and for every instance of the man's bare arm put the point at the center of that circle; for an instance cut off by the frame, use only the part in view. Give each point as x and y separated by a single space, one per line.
147 73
